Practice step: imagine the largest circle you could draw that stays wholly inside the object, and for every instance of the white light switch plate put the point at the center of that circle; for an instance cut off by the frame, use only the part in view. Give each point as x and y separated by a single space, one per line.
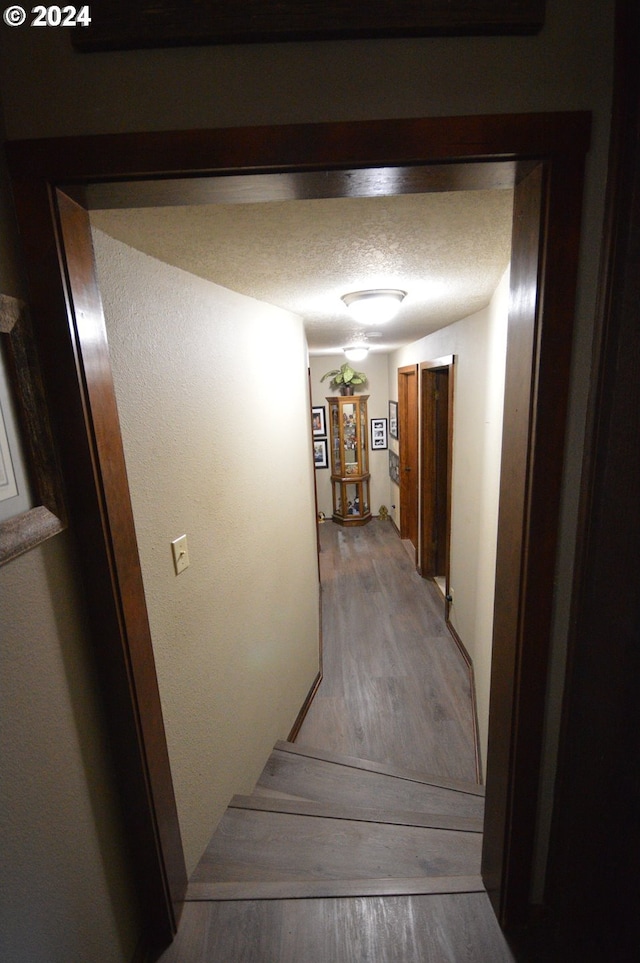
180 551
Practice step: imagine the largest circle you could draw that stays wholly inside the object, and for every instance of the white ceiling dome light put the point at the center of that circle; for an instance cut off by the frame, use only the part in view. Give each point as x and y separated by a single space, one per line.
356 352
375 306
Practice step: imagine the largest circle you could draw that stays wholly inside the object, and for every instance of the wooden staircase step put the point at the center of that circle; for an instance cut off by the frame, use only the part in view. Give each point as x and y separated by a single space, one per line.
265 846
304 807
342 888
269 793
383 768
348 782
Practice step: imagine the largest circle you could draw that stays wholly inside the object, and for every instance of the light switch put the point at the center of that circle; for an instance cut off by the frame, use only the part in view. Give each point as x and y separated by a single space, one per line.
180 551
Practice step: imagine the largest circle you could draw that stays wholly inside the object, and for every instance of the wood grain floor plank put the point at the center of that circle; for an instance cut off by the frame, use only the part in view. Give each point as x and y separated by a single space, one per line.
382 768
395 687
323 781
456 928
323 888
331 810
277 846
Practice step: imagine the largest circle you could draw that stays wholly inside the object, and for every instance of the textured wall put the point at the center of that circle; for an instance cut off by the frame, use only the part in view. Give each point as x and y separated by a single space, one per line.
217 447
479 345
65 894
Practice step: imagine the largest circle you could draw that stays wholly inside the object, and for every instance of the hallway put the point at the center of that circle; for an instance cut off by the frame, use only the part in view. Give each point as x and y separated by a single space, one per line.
336 858
395 688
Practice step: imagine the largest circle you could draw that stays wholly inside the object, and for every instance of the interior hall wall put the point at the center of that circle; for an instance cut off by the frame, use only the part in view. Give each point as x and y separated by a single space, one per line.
375 367
478 344
64 873
49 90
215 451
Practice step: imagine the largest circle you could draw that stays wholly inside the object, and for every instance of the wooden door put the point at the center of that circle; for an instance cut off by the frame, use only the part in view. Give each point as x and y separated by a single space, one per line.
408 432
436 445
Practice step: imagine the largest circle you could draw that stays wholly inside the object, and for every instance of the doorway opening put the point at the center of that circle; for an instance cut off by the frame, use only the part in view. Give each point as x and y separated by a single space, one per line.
436 448
542 157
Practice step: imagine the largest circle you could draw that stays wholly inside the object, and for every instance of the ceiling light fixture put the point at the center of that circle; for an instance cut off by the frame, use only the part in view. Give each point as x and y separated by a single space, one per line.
375 306
356 352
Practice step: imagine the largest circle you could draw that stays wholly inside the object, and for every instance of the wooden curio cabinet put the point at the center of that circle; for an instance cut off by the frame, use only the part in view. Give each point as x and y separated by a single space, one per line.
349 459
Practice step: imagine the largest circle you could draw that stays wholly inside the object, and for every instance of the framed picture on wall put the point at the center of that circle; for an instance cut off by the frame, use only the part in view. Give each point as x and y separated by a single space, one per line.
29 513
319 421
393 419
320 453
167 23
378 433
394 467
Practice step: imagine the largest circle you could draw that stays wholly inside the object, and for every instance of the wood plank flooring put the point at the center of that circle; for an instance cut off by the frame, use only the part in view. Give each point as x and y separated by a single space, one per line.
449 928
361 843
395 687
333 777
259 845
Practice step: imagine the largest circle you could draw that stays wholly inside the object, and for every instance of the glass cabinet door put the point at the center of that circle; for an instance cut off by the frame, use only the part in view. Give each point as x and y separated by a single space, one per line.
349 459
350 441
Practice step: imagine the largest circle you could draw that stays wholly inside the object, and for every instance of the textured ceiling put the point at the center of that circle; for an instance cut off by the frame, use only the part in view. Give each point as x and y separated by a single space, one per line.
447 250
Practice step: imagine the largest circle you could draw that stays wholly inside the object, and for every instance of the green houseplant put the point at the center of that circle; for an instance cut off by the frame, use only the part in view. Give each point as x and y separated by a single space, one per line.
345 378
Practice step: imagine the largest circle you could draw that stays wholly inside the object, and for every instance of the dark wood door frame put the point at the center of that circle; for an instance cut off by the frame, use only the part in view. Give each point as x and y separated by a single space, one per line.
432 513
55 181
408 445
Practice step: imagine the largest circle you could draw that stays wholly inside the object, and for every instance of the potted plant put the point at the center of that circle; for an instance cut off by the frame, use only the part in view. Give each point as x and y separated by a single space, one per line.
345 378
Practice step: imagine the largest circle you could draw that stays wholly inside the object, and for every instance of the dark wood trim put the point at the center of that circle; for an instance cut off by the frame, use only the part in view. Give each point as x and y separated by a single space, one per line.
445 362
474 702
297 725
131 24
452 389
167 874
512 551
80 398
169 157
460 644
408 450
48 516
546 226
303 185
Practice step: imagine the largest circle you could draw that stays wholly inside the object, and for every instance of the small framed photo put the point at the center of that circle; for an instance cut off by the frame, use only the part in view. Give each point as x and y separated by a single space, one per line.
320 453
394 467
393 419
319 421
378 433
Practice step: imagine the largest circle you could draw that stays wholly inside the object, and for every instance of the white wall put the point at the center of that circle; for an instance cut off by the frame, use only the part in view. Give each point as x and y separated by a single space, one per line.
375 367
217 450
479 346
